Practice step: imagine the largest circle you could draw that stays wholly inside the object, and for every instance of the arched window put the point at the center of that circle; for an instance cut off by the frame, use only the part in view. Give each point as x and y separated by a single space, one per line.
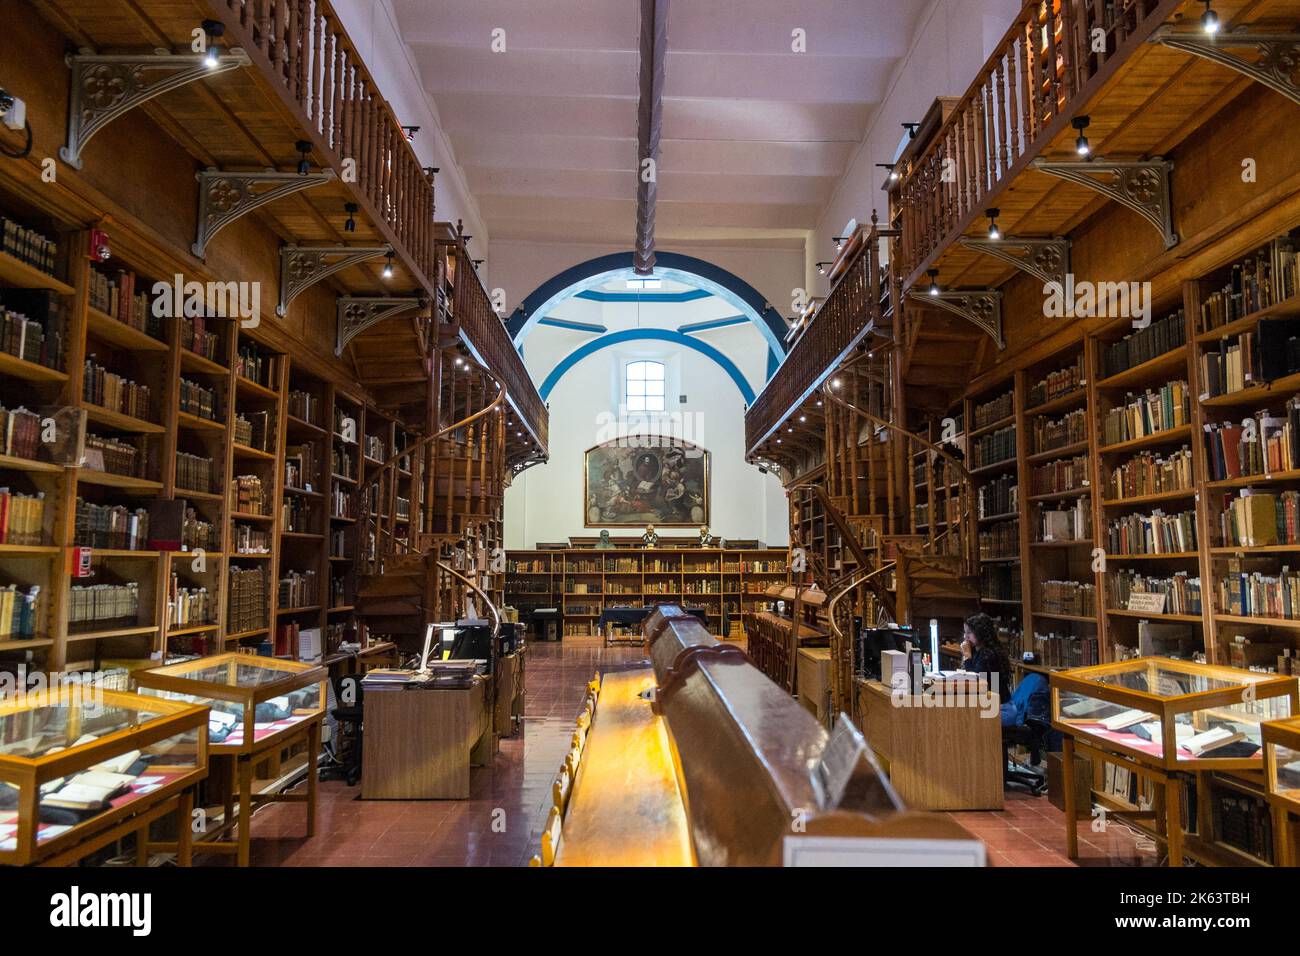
644 385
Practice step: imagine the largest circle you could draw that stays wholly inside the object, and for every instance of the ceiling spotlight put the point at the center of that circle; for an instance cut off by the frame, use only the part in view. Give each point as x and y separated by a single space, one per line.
821 267
839 243
893 173
388 265
1081 145
410 132
789 431
819 403
459 361
304 149
934 281
994 233
351 208
778 441
835 383
212 30
911 129
803 418
519 434
1209 19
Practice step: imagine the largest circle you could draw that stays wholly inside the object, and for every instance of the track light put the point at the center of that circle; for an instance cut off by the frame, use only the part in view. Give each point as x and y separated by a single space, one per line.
304 149
994 232
388 265
351 208
212 29
410 132
934 281
821 267
893 173
911 129
1209 19
1081 145
839 243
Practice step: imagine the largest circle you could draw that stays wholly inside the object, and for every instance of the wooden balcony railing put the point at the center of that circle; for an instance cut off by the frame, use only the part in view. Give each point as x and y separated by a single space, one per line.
1052 60
302 46
488 335
838 325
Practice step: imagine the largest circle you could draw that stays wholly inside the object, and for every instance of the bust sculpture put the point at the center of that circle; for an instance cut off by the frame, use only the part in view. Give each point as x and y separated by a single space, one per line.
650 538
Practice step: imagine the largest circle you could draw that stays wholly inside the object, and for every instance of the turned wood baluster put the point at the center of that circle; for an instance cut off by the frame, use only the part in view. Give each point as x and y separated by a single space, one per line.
1070 46
320 74
282 40
855 429
1053 74
1035 72
1099 22
264 29
1000 112
1014 71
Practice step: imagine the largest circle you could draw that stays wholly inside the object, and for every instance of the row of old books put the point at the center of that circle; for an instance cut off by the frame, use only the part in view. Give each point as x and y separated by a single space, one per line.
1154 411
297 515
197 533
1062 475
342 463
1061 382
258 365
20 432
114 527
199 401
1073 598
994 411
1000 582
1066 650
103 606
196 337
339 543
118 457
1000 540
998 497
248 609
1259 445
122 296
301 466
22 517
255 430
195 473
248 539
1149 473
342 503
1070 429
251 495
994 448
1182 591
304 406
28 245
1161 336
115 392
339 596
1259 281
298 589
1156 533
1258 519
1259 594
1066 523
189 606
1243 821
25 338
376 448
18 612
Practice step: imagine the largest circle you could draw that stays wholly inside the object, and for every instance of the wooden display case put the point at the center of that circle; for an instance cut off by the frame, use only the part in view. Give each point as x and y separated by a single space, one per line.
1282 762
236 685
58 735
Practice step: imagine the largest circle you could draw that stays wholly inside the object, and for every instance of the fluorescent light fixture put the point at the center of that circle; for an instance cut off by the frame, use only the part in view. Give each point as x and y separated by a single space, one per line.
645 283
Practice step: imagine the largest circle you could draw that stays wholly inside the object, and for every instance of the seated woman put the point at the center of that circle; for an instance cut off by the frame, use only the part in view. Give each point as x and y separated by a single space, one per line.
983 653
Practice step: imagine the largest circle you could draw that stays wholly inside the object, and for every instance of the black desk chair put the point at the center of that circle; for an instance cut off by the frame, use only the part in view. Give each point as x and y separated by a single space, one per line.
1026 722
346 763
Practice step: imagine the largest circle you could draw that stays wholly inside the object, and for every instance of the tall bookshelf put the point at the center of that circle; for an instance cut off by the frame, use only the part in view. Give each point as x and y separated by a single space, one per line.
582 582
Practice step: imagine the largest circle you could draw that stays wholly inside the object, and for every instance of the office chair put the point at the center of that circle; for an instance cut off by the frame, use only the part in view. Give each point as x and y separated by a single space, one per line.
1026 721
346 762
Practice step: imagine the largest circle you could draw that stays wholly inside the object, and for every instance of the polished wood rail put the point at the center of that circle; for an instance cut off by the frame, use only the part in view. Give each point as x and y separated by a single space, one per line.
1053 59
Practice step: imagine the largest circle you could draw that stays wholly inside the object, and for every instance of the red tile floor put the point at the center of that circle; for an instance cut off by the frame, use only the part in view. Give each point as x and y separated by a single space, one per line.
500 824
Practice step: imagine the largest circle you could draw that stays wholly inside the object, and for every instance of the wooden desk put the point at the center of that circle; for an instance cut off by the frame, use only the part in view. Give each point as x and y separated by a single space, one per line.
939 758
626 808
420 743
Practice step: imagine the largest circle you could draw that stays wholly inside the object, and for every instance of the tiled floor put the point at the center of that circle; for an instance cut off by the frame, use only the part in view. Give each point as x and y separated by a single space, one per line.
500 824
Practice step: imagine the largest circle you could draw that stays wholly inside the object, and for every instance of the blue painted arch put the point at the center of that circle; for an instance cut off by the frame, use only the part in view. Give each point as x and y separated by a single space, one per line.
632 335
670 265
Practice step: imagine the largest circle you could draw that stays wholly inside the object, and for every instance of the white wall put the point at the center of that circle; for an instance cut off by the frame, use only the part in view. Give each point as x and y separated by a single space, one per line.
952 41
545 503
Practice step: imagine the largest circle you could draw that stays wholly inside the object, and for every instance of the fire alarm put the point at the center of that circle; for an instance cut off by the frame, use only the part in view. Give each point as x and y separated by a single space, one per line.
99 245
80 562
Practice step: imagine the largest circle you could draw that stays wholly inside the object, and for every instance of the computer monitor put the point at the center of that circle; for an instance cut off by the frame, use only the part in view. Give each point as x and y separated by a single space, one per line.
473 643
873 640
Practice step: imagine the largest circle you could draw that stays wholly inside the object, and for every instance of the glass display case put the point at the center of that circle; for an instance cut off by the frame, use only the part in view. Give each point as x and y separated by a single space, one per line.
1282 760
255 701
79 758
1175 714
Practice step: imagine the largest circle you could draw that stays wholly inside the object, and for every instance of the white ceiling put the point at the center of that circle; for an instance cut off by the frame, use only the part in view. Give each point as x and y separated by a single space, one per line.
755 136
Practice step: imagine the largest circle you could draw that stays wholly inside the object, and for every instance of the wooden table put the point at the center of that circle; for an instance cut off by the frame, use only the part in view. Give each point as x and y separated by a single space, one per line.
626 808
420 742
939 758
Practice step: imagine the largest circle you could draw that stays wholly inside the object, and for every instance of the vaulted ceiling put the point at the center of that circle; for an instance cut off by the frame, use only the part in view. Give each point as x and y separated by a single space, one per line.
755 136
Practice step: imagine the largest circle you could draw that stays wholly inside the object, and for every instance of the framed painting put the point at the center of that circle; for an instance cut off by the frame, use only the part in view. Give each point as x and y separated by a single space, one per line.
646 479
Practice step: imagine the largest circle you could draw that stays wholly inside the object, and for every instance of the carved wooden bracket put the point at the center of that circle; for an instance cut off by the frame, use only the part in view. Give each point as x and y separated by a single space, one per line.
1142 186
1046 259
980 307
227 196
301 267
356 313
1277 62
106 86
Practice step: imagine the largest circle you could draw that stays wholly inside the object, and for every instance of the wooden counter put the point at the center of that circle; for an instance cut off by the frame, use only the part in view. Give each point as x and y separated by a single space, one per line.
626 808
813 679
419 743
939 758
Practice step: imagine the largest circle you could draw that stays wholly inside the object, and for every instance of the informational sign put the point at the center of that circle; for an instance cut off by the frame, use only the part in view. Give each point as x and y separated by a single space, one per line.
881 851
1147 603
